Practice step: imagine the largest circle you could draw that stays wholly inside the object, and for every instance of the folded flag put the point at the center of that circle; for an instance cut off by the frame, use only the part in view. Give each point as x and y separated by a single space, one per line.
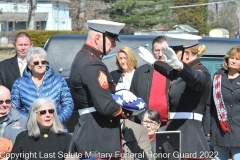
137 105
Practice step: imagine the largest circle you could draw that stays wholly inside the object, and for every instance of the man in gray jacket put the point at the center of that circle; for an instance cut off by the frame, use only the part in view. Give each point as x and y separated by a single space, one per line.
11 122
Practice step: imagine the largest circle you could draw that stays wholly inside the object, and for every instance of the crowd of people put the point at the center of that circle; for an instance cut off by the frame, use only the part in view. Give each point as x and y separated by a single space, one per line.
119 112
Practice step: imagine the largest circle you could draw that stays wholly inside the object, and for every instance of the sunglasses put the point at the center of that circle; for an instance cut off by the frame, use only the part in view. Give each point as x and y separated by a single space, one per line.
8 101
43 112
42 62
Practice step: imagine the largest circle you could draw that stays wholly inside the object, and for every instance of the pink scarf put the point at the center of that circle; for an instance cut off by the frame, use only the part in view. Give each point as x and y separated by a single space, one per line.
218 100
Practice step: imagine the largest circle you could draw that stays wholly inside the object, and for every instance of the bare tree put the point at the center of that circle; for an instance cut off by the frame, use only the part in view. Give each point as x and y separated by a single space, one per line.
31 13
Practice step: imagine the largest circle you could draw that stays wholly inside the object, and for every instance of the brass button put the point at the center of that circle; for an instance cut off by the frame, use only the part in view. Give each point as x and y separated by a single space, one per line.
110 120
45 135
123 112
127 114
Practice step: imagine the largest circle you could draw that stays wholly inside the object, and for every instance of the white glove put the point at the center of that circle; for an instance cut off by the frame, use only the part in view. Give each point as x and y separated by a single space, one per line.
127 95
146 55
171 57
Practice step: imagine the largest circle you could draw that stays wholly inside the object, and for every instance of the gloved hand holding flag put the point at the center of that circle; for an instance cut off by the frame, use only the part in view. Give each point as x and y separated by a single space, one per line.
136 105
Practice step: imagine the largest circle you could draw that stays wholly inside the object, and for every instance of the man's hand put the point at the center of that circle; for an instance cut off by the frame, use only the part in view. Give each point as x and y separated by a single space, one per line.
146 55
127 95
171 57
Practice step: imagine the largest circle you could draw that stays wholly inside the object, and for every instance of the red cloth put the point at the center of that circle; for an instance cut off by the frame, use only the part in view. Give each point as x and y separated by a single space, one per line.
219 103
157 97
151 138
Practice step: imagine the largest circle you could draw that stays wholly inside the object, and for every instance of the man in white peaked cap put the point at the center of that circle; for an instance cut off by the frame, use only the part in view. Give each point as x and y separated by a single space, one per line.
97 133
188 92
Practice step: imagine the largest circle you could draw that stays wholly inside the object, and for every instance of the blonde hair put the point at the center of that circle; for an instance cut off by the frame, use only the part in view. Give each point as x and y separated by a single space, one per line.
131 58
233 52
199 50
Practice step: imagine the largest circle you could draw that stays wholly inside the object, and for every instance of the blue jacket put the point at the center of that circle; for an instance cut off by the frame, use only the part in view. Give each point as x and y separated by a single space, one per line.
24 92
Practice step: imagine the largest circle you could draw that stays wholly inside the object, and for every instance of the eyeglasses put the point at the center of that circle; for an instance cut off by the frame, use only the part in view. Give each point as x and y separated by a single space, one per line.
37 62
145 123
7 101
43 112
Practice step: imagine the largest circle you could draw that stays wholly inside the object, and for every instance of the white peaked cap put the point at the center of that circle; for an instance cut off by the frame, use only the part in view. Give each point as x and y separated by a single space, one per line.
104 25
186 40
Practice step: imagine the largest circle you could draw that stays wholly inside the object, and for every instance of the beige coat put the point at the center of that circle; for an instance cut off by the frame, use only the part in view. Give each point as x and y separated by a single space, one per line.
135 141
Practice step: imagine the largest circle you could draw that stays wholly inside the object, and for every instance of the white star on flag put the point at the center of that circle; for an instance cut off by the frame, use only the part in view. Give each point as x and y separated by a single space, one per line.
140 105
119 101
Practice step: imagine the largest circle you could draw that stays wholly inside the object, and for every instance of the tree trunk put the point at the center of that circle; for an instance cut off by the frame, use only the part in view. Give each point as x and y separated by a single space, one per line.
31 14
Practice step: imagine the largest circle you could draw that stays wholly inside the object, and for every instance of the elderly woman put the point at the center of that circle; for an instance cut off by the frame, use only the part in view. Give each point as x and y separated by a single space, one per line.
188 91
126 62
222 121
45 136
151 120
39 80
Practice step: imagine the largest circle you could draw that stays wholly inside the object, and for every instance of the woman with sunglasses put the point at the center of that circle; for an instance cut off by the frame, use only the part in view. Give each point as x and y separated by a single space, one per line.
188 92
45 137
39 80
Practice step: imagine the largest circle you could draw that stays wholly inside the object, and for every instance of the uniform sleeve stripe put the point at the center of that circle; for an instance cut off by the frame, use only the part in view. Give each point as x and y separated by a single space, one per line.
118 113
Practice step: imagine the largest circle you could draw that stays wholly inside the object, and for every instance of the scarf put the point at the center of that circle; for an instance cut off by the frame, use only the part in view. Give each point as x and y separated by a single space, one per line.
218 100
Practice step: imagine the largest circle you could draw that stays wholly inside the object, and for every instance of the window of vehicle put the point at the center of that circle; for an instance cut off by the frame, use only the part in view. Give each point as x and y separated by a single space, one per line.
213 64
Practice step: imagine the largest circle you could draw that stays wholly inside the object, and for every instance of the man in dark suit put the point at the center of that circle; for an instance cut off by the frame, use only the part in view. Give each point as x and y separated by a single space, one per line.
12 68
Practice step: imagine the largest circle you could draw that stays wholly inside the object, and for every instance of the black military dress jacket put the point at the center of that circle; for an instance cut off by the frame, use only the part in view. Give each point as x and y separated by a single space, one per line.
96 133
188 92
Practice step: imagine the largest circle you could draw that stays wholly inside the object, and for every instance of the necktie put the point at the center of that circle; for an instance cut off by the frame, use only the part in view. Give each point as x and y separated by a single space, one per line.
22 67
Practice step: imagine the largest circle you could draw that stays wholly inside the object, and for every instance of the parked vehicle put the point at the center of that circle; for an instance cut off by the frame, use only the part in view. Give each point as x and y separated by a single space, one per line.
63 48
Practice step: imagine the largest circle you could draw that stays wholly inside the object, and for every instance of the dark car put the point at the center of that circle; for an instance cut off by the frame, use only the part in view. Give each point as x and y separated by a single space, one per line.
63 48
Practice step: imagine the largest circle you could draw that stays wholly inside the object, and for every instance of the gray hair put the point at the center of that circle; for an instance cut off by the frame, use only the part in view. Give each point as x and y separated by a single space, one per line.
32 124
32 51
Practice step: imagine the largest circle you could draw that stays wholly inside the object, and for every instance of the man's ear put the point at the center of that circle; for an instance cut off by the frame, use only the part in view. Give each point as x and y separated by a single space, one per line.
187 53
97 39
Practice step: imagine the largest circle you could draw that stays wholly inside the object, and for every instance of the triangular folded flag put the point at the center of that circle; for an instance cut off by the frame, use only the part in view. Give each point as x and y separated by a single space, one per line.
137 105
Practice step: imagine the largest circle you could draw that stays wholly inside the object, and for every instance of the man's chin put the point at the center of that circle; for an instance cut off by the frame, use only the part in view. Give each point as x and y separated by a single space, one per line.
161 59
22 54
2 114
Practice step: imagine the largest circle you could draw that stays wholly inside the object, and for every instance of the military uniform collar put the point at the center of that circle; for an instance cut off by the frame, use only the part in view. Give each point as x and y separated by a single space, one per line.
194 63
93 50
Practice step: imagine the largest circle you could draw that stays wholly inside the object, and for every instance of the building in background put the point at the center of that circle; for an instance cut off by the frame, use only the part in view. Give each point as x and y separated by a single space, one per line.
186 29
49 15
219 32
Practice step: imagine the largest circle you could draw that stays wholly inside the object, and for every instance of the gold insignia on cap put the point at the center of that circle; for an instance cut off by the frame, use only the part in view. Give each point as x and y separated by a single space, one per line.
45 135
110 120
